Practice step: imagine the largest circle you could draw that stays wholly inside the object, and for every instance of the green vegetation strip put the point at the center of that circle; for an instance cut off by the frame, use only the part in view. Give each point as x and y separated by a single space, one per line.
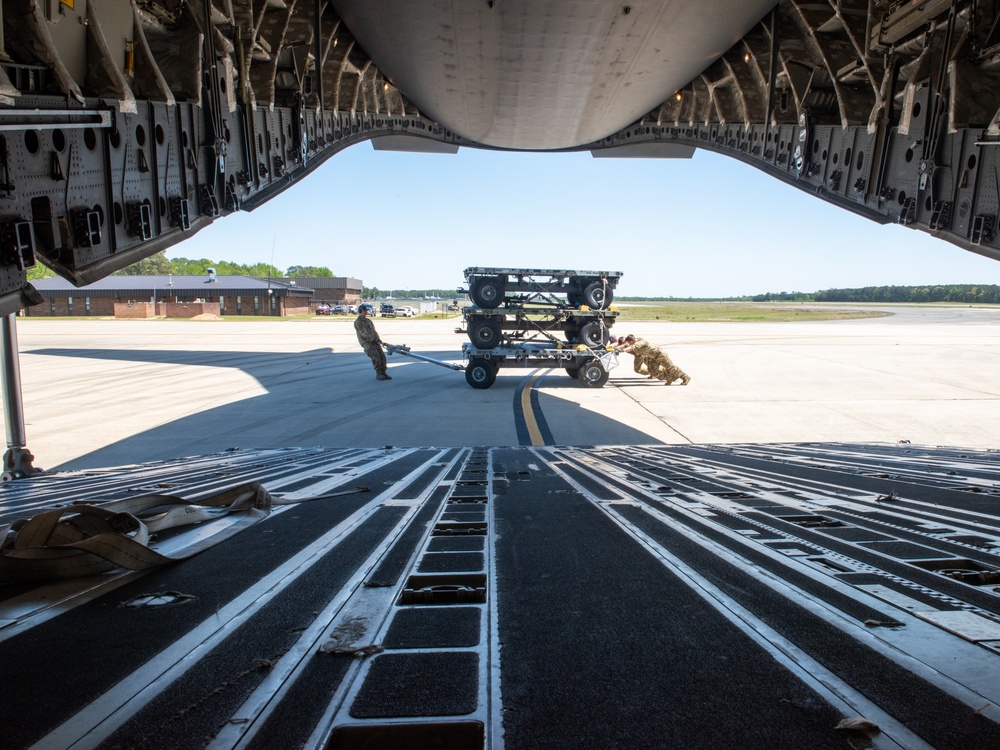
737 312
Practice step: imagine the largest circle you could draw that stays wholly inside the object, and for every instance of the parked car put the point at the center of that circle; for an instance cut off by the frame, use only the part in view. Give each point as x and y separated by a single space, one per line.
452 308
352 309
370 308
387 310
340 310
323 309
406 311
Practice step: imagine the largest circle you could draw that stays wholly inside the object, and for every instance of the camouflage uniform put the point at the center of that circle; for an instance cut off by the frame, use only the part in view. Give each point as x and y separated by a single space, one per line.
372 344
659 364
640 351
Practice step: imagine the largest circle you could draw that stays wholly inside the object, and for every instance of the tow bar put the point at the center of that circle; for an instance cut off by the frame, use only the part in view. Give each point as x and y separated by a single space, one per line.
391 349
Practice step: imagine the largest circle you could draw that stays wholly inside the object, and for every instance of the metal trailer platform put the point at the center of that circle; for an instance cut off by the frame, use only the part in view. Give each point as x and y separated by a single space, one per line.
490 287
488 328
590 366
631 597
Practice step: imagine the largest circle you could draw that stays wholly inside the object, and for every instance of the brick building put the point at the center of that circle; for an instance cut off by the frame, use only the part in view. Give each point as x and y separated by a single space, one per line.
336 290
235 295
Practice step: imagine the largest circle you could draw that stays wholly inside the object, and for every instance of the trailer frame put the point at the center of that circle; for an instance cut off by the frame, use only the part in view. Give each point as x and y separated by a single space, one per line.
590 366
512 324
488 286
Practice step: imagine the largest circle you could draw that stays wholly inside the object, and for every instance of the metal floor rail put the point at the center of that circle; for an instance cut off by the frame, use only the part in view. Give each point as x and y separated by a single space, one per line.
624 596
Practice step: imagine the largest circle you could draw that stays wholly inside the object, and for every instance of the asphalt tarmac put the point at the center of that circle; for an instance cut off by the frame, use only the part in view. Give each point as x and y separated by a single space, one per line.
101 393
746 561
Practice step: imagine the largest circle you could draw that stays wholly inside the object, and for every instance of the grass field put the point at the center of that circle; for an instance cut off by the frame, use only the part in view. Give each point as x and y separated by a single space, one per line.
738 312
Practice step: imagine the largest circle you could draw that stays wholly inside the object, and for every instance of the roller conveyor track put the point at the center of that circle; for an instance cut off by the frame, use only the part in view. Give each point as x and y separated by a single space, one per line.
633 596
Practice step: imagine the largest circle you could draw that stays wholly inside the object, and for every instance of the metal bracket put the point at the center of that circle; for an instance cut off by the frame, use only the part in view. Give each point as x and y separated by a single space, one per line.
209 203
17 244
941 215
908 212
17 464
86 227
982 229
140 220
180 213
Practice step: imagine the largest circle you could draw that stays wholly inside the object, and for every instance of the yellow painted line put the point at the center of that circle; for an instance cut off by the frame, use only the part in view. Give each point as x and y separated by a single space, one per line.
529 415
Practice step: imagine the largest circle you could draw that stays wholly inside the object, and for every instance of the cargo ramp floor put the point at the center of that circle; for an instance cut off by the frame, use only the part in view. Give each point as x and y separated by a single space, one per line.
613 597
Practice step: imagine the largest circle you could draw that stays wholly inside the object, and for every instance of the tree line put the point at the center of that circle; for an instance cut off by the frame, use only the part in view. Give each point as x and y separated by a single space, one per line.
959 293
160 265
965 293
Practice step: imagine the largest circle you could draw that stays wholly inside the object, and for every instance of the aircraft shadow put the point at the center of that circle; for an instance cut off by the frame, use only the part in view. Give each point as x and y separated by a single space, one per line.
327 398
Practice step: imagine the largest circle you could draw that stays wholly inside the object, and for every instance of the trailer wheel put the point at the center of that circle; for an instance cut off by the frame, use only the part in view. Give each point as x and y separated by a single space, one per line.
487 292
573 372
598 295
592 375
484 334
594 333
480 373
574 298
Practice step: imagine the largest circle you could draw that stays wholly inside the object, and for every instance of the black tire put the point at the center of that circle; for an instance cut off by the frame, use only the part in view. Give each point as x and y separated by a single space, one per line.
598 295
487 292
574 298
484 333
480 373
592 374
594 333
573 372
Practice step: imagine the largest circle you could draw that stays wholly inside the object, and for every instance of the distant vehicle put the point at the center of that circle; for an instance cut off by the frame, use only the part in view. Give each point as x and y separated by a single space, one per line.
339 309
452 308
323 309
368 307
387 310
352 309
406 311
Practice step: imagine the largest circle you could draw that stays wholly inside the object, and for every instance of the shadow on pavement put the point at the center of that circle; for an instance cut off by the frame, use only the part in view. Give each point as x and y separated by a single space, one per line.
327 398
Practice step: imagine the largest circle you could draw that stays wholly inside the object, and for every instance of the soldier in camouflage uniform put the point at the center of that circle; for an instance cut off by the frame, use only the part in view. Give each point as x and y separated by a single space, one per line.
640 349
656 360
371 343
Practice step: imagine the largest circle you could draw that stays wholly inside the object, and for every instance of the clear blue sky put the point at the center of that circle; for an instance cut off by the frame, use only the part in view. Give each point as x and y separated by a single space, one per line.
708 226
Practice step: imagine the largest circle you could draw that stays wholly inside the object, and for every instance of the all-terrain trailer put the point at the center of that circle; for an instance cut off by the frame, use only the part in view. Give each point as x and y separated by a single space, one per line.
515 324
589 366
490 287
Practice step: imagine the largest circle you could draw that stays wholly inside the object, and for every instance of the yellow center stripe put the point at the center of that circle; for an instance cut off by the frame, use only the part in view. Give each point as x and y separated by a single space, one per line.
529 415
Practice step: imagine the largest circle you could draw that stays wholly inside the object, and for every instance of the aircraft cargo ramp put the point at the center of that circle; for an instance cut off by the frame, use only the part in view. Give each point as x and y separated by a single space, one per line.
653 596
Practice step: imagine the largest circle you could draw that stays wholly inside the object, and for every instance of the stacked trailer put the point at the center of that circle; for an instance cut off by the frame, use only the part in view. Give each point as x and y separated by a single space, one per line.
518 312
590 366
490 288
524 305
516 324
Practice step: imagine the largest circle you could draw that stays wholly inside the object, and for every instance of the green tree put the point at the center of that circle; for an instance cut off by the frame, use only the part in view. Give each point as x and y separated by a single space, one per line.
40 272
309 272
156 264
186 267
261 271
